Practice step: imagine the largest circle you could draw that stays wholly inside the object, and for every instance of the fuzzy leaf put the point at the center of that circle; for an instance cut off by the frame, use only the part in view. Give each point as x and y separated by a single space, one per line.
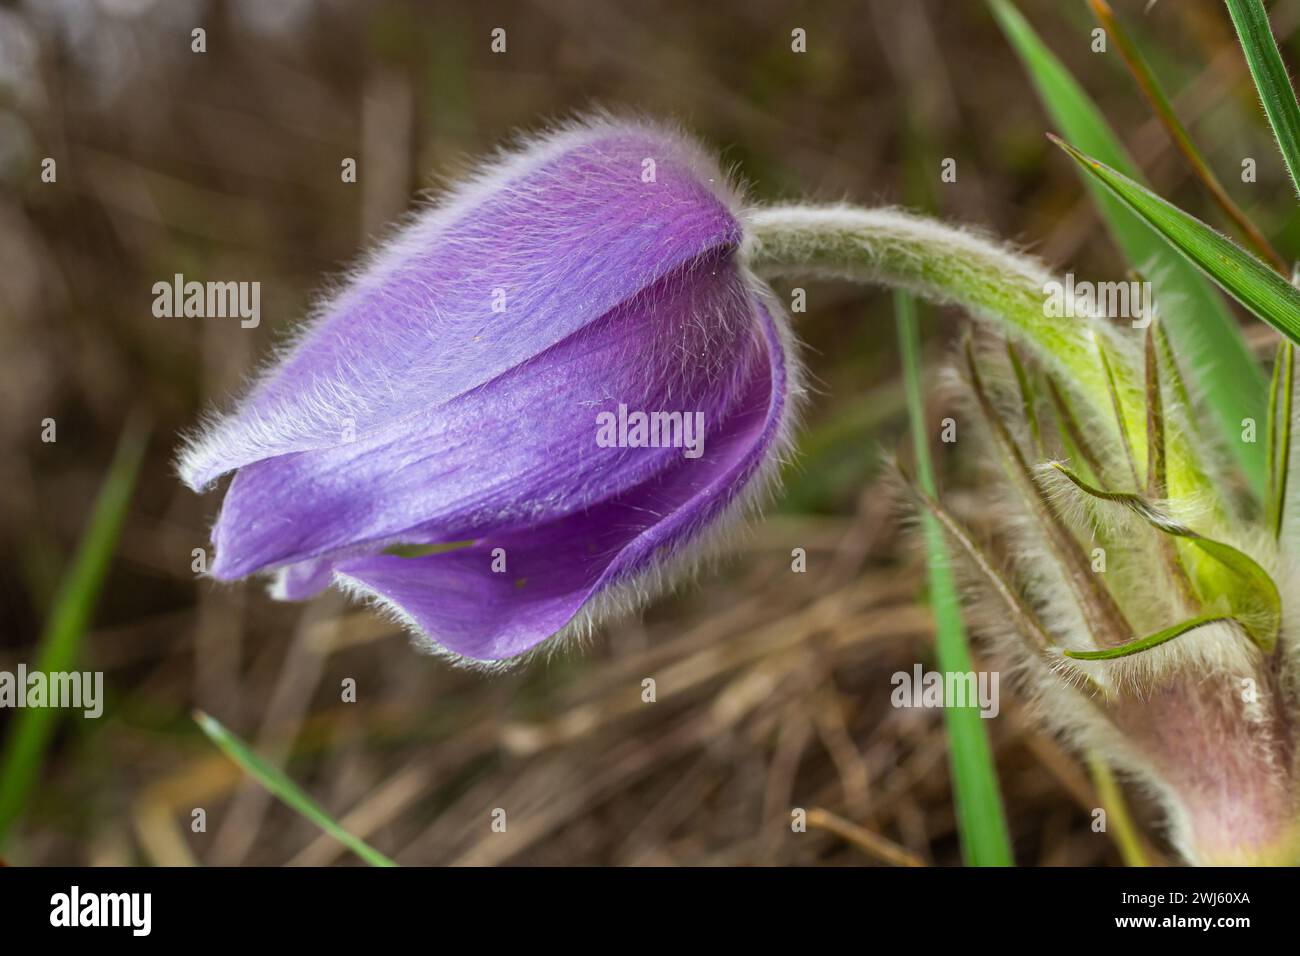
1148 642
1248 589
1096 604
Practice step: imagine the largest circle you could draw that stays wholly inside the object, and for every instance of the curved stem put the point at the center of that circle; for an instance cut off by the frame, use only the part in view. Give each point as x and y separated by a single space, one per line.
952 266
938 262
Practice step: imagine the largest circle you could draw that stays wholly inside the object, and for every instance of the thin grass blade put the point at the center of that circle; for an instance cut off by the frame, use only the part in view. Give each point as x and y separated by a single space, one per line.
1242 275
981 820
1271 79
60 641
1164 111
285 789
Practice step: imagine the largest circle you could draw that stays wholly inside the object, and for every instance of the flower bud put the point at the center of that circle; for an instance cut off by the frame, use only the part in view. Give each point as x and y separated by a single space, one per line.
523 409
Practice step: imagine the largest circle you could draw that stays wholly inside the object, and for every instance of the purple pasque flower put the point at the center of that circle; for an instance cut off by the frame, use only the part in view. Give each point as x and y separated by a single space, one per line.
562 374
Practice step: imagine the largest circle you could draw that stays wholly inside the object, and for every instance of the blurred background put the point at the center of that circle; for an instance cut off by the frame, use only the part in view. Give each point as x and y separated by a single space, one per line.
772 687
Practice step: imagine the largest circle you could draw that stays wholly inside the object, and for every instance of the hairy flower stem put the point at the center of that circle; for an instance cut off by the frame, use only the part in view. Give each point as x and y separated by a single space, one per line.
951 266
1170 708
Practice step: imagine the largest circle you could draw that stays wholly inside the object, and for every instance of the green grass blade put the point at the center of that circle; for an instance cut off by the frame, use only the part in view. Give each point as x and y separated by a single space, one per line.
285 789
981 821
1202 328
1164 110
60 640
1247 279
1271 79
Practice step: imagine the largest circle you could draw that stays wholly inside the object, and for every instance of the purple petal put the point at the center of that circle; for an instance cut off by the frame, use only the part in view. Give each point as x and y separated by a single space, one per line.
518 451
566 232
297 582
553 570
